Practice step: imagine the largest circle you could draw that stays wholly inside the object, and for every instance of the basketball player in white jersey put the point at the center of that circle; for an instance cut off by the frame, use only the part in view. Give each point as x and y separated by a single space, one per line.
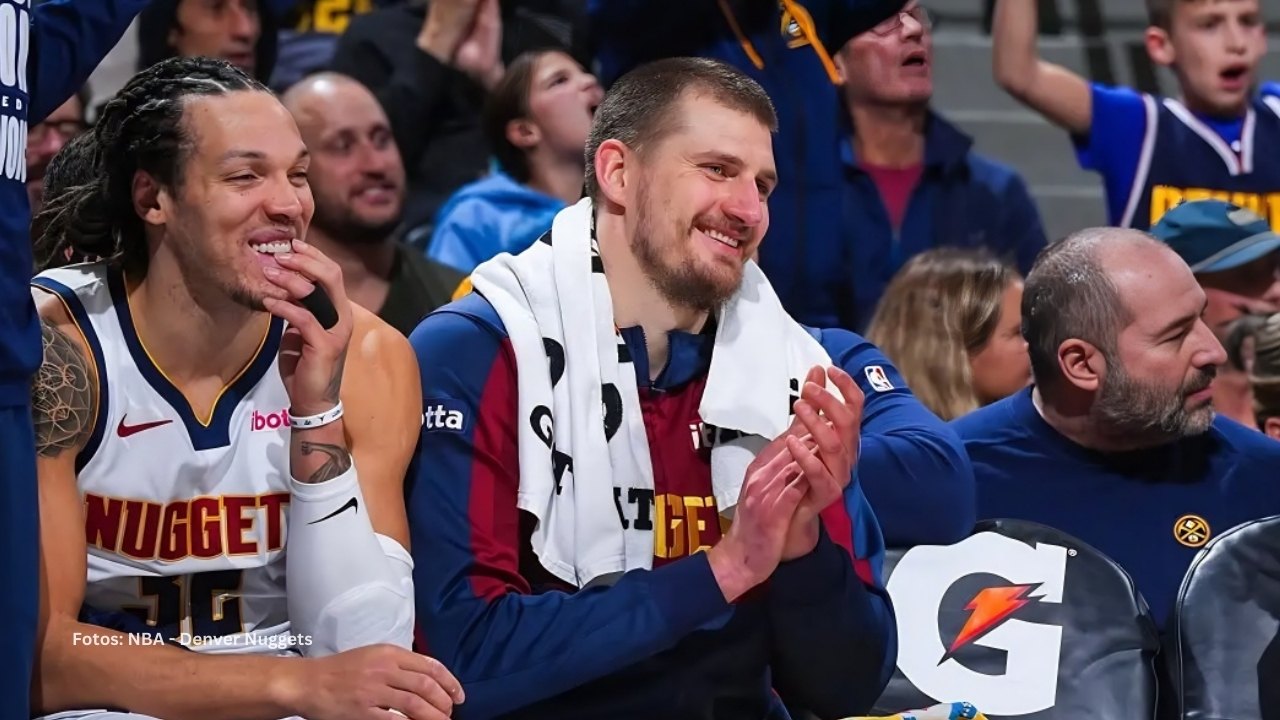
206 441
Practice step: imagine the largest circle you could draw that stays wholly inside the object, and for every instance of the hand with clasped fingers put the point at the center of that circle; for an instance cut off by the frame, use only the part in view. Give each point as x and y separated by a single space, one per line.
788 485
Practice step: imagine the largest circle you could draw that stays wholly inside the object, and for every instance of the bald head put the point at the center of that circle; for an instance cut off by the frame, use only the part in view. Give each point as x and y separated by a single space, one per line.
356 175
318 96
1082 287
1133 259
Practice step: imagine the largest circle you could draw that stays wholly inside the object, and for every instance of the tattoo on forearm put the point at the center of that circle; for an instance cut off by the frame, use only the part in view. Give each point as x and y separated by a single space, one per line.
63 396
337 461
334 391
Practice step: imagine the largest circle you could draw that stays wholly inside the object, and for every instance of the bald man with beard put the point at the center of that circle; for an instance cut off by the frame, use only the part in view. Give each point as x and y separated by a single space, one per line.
358 180
1118 443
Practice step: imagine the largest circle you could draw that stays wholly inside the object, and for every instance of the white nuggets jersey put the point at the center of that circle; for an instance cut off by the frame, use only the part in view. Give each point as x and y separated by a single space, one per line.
184 515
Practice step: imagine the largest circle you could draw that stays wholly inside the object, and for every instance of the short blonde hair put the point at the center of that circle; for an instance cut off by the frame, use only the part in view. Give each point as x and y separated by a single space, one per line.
942 306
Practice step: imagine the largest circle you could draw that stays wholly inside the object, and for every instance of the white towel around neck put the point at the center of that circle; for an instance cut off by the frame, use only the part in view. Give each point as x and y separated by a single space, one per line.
555 304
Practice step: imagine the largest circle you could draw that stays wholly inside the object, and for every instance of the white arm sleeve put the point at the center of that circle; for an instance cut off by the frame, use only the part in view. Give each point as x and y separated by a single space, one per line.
347 586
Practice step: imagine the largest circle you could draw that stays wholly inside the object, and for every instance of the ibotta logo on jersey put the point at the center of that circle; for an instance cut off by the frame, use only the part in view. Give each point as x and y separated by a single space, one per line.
269 421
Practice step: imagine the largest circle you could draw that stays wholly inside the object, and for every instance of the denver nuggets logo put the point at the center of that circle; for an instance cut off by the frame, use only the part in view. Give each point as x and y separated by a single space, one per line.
1191 530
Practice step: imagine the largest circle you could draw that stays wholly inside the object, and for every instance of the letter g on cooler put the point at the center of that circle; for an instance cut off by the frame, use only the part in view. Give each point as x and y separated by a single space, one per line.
919 585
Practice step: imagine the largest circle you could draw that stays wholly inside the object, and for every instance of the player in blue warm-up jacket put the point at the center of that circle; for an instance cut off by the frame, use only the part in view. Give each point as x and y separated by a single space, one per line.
676 221
791 48
48 51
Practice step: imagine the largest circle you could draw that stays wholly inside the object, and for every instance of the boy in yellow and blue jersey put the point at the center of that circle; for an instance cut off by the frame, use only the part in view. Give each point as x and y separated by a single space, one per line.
1219 139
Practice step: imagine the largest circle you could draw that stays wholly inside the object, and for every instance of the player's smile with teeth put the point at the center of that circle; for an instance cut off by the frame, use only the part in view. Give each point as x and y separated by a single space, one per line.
720 237
273 248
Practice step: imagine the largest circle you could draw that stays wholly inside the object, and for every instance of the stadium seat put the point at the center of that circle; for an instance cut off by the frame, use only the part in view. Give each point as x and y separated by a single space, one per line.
1224 650
1024 622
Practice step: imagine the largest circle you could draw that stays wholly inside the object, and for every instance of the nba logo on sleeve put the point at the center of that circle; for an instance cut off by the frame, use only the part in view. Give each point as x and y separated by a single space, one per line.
879 381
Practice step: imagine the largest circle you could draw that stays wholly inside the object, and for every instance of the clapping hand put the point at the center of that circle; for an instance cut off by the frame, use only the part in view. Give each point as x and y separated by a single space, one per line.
823 442
790 482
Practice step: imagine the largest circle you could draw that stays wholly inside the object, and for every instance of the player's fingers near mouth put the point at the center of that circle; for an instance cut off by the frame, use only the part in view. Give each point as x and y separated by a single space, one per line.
297 286
308 261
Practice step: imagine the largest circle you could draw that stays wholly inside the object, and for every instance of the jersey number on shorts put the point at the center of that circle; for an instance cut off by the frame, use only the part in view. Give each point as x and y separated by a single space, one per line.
210 599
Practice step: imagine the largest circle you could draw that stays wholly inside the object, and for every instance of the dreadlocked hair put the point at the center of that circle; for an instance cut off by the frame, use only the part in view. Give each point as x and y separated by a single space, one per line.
138 130
73 167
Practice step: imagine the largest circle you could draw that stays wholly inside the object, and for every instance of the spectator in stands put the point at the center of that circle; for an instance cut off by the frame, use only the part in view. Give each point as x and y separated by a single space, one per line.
596 601
1264 375
911 179
1236 259
46 138
536 121
1218 139
431 66
231 30
951 321
357 179
1117 443
74 165
804 265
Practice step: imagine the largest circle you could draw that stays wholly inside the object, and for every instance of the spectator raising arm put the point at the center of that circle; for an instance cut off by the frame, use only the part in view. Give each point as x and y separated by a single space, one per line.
457 36
1055 92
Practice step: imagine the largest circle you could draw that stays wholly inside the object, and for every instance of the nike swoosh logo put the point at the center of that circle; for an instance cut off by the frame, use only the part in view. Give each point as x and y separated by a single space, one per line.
125 431
352 504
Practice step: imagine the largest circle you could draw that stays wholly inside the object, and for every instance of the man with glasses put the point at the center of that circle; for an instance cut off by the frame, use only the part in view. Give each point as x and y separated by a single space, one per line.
910 180
47 138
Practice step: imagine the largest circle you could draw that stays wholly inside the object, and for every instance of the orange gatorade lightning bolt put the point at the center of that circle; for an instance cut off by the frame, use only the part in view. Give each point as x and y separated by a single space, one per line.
991 606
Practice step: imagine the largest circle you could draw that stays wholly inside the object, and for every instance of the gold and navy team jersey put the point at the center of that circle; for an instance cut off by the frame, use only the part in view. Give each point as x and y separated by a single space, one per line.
184 513
1155 153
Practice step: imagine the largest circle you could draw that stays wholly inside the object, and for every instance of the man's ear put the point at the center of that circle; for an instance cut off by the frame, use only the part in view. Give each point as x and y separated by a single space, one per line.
1271 426
1159 46
523 133
615 170
1082 364
150 201
842 66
